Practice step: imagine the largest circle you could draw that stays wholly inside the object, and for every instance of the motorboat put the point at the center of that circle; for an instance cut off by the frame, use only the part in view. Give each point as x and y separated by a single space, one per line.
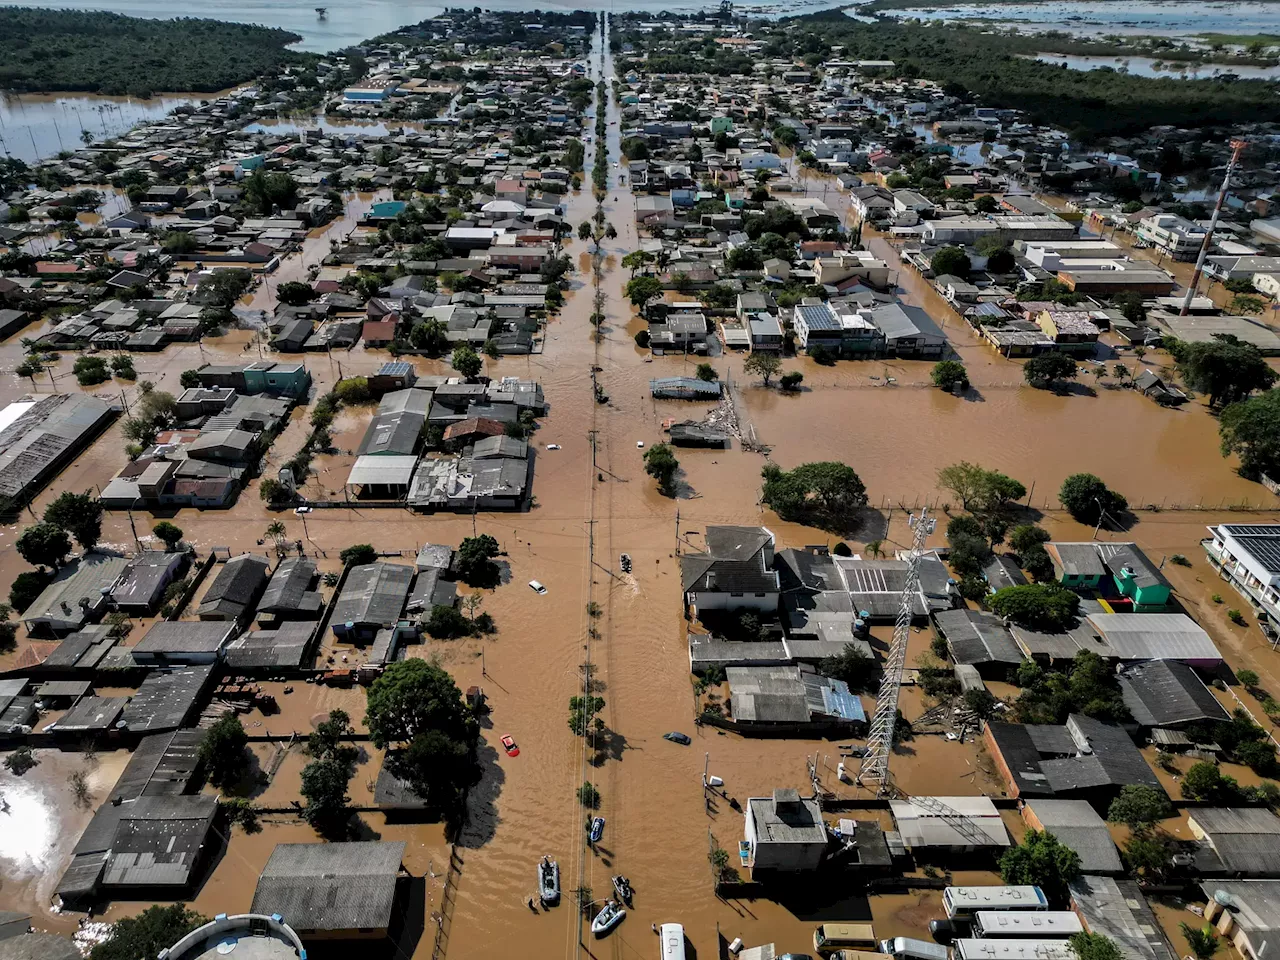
597 829
548 880
622 886
608 918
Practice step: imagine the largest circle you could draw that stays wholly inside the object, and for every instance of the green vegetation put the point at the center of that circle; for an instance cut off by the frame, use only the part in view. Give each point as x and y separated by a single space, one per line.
660 463
827 494
1139 807
169 533
43 545
1043 861
154 929
588 795
358 554
1250 429
79 514
993 67
1226 368
582 714
326 777
1202 940
475 564
946 374
1049 370
26 587
1038 606
1095 946
852 666
222 751
1088 687
1087 499
107 53
763 365
20 761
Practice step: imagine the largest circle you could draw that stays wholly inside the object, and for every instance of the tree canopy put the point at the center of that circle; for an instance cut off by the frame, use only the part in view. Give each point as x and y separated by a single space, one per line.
1250 429
1225 367
951 261
475 561
1139 806
1087 498
826 493
100 52
1042 606
1088 687
412 697
1048 370
1041 860
222 751
660 463
1094 946
155 929
43 545
79 514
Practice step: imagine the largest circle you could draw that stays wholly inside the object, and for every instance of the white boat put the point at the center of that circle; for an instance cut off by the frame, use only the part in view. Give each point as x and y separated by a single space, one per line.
608 918
548 880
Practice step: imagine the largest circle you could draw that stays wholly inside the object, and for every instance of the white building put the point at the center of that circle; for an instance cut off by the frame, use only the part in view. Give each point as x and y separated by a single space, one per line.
1248 554
1175 235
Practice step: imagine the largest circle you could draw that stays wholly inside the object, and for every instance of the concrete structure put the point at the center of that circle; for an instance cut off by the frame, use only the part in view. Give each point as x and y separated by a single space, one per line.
786 834
1248 556
735 573
935 824
1252 922
1176 236
245 935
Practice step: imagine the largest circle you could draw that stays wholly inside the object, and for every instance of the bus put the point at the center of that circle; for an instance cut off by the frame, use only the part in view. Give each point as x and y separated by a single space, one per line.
1025 924
1013 950
906 948
836 936
671 937
961 903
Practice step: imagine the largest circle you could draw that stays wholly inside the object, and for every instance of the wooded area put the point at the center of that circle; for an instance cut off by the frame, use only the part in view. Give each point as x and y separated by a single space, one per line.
95 52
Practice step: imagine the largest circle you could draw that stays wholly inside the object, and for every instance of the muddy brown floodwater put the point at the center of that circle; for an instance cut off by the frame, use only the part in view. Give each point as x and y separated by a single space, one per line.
597 505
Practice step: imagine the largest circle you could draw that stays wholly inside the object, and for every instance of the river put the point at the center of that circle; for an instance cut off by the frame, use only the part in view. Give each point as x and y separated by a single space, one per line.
1150 67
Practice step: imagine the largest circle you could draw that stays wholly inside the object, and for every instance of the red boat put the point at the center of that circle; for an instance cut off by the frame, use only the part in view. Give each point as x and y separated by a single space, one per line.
510 746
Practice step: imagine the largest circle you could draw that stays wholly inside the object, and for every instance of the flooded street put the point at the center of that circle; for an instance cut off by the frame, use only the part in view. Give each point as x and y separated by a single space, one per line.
594 502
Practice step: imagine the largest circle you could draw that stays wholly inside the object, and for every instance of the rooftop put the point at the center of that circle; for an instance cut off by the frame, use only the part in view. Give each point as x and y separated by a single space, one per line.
331 886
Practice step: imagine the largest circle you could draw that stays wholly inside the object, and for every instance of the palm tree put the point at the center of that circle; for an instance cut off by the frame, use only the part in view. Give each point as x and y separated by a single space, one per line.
875 548
276 532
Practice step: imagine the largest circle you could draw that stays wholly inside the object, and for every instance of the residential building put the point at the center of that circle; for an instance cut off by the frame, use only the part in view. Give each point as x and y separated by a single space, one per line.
1240 842
978 639
372 598
734 573
908 331
1071 330
235 589
1251 919
785 833
1168 694
1155 636
1119 910
329 890
1085 759
954 824
79 594
1080 827
141 587
1248 556
765 332
289 594
1176 236
775 697
838 267
183 642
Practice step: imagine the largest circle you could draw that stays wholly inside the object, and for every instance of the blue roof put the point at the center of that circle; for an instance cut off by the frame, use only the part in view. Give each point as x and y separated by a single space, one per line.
817 316
840 702
388 208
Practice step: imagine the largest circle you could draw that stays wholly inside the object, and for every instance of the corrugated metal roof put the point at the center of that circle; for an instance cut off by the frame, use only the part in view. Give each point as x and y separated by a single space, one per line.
331 886
373 594
1154 636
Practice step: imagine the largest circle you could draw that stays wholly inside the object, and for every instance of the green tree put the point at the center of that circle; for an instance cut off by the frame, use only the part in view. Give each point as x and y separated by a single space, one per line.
951 261
1041 860
1225 367
636 260
1204 944
1148 855
179 243
763 365
1094 946
189 379
1087 498
1139 806
852 666
169 533
986 204
324 787
1250 429
155 929
980 490
43 545
1048 370
640 290
223 751
827 492
412 697
947 373
26 587
264 193
1045 606
466 361
430 337
660 463
706 372
358 554
1027 536
790 382
79 514
1204 781
582 714
437 767
294 293
474 562
446 622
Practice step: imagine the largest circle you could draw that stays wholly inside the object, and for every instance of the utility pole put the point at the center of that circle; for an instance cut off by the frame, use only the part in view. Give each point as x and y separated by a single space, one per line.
1237 147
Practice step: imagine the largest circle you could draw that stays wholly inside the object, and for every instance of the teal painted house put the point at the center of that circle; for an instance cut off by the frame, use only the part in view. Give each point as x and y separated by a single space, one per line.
277 379
1085 566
